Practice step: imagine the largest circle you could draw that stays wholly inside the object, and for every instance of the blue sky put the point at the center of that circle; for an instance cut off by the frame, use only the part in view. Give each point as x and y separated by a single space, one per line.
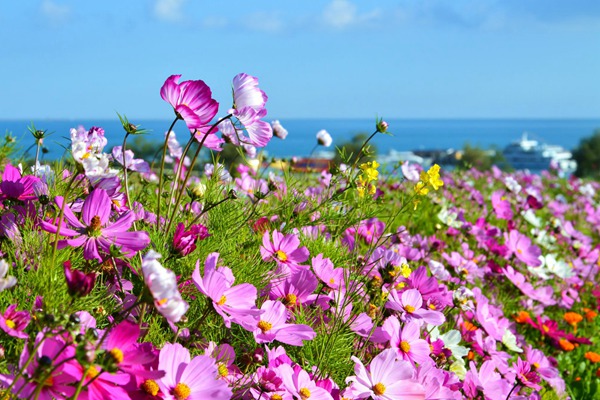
320 59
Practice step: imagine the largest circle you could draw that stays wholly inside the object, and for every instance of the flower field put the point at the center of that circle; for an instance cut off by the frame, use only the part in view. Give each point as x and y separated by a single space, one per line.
124 278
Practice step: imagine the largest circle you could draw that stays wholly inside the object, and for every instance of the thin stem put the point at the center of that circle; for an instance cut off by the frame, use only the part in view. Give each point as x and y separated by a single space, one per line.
127 203
313 149
179 168
204 211
362 148
512 390
37 155
162 168
61 215
190 170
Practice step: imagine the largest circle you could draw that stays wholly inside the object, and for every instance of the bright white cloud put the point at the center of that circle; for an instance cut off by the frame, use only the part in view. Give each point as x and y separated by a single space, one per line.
341 14
55 13
169 10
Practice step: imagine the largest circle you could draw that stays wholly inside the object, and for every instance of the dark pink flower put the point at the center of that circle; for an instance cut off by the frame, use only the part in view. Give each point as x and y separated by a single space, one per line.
14 322
17 187
184 242
526 376
192 102
79 284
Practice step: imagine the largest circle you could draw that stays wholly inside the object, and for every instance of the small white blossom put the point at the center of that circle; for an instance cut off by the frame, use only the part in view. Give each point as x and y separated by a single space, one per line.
6 281
324 138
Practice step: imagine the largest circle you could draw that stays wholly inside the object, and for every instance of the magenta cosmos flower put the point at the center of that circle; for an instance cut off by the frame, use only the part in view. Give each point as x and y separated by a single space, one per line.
192 102
189 379
97 232
298 383
15 186
387 379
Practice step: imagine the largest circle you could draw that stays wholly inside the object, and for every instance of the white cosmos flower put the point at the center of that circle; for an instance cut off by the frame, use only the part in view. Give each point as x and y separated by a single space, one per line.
512 184
558 267
510 341
324 138
163 286
6 281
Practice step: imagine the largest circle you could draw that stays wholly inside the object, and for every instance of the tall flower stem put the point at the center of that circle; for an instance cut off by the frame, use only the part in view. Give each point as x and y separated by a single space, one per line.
61 215
190 170
125 181
362 148
162 168
313 149
178 170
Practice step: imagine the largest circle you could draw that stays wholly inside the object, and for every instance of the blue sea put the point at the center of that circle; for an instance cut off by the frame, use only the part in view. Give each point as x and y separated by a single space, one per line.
408 134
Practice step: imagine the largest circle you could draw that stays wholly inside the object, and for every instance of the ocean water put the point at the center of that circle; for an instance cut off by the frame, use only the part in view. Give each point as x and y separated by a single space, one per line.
408 134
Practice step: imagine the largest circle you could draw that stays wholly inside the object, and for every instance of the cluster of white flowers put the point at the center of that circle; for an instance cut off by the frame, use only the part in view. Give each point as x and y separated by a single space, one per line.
87 149
163 286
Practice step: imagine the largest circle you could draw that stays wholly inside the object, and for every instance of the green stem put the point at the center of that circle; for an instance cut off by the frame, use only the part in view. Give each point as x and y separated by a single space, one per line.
178 171
162 168
190 170
61 215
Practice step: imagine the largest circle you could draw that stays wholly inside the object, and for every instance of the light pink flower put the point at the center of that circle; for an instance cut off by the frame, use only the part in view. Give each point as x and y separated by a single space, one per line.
273 326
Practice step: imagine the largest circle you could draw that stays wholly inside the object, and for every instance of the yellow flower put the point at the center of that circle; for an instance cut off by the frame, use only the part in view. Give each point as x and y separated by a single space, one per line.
421 189
432 177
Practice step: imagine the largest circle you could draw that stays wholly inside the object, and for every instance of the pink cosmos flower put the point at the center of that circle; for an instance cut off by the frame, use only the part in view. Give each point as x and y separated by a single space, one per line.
273 326
17 187
14 322
284 250
295 289
234 303
526 375
501 206
189 379
248 107
96 231
299 384
520 245
59 384
409 305
126 353
191 100
407 340
79 284
138 165
386 379
332 277
99 384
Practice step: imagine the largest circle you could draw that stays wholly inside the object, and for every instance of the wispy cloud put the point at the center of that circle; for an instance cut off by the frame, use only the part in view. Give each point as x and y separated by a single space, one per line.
55 13
342 14
169 10
268 22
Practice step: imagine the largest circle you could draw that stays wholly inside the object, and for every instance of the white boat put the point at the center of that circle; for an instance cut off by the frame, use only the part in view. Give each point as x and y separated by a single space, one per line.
535 156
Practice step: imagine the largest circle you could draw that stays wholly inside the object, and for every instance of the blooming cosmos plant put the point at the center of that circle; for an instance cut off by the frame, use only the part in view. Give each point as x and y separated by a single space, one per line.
96 232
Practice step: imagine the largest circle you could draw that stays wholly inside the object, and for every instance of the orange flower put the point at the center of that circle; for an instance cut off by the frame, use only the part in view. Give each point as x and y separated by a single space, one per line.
469 326
566 345
590 314
573 318
593 357
522 317
470 355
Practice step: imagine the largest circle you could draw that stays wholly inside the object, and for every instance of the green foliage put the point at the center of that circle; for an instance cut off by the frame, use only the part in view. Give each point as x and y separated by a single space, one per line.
587 155
352 148
479 158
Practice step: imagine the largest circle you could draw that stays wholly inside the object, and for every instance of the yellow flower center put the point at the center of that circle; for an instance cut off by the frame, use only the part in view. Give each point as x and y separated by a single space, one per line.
162 301
405 346
432 306
10 323
379 389
223 371
304 393
331 281
49 381
264 326
150 387
117 203
92 372
281 256
222 300
117 355
409 308
519 251
181 391
535 365
276 397
290 299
